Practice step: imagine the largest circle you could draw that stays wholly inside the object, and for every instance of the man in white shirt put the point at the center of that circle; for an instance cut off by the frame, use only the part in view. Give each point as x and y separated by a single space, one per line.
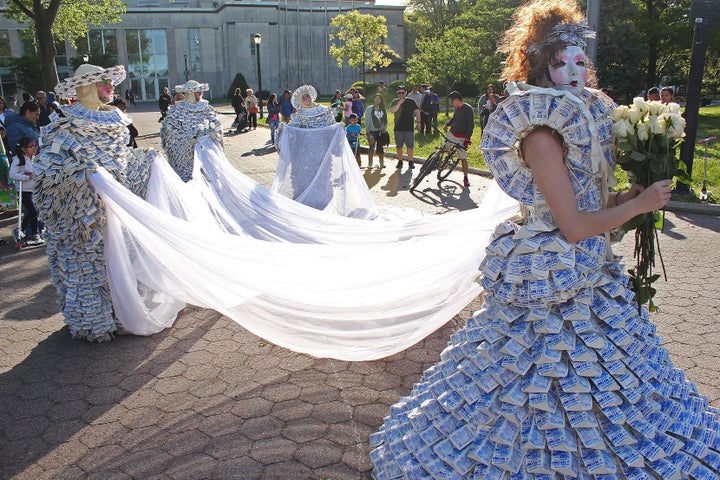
415 95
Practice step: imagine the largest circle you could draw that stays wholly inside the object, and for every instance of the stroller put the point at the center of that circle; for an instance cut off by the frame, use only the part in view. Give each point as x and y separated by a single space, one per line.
241 120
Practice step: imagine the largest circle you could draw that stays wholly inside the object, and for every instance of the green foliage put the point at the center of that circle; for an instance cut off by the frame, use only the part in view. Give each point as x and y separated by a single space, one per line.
238 82
618 41
444 29
104 60
73 18
27 72
358 39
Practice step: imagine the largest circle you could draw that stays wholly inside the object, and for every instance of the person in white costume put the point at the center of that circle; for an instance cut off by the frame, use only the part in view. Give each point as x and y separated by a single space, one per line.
558 376
91 135
316 166
187 121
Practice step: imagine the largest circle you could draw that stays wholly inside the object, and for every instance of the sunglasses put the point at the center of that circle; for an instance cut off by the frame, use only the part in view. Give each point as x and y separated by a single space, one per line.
107 81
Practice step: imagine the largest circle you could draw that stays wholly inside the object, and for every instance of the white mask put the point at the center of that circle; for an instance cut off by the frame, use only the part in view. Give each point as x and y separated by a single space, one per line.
567 70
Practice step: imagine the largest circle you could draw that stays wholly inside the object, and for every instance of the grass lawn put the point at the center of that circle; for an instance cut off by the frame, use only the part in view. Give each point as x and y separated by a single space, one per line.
708 125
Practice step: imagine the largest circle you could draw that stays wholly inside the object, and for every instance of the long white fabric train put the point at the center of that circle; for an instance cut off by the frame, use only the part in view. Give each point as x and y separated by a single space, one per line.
312 282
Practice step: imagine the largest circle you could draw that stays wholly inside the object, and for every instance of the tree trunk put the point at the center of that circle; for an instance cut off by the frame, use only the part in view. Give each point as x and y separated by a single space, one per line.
47 51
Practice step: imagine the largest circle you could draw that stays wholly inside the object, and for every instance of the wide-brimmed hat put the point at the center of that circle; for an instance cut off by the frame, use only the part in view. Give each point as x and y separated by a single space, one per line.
301 92
87 74
192 86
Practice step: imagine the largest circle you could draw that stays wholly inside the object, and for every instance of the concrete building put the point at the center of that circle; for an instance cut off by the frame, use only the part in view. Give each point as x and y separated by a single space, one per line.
163 43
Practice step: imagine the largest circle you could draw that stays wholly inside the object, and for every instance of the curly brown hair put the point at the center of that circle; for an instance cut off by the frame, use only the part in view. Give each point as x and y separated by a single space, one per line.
531 24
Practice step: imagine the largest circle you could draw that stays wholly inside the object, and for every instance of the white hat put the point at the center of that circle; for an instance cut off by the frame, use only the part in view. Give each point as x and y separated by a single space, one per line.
87 74
192 86
301 92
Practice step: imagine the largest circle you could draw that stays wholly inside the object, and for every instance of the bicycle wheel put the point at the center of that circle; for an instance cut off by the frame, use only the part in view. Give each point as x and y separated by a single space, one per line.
451 161
425 170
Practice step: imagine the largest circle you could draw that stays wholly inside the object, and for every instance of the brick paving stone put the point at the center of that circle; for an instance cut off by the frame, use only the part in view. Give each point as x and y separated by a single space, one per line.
206 399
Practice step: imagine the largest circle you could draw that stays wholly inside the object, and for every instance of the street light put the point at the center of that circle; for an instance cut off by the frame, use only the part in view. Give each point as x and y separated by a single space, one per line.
186 69
257 38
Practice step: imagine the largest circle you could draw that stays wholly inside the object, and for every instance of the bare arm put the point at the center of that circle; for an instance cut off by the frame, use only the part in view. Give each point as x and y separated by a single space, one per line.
543 153
395 107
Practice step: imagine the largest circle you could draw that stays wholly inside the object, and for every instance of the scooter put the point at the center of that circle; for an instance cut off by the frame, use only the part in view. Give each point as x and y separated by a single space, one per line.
703 191
21 240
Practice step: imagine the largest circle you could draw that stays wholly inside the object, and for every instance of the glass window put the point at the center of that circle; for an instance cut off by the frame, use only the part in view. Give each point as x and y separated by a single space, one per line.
147 62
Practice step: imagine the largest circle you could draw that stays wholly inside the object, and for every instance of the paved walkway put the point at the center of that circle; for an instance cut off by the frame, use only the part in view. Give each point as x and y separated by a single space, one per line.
208 400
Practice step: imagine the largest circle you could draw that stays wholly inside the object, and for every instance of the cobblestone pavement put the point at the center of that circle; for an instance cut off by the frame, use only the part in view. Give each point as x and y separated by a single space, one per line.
208 400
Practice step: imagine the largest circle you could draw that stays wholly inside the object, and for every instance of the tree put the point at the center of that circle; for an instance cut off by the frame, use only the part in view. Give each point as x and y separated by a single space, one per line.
620 51
477 29
438 62
61 19
360 40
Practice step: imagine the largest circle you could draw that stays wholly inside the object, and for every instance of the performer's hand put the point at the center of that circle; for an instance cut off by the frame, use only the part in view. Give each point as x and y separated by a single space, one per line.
655 196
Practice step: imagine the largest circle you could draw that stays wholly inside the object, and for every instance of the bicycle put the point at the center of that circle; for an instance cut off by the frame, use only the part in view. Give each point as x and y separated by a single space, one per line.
444 158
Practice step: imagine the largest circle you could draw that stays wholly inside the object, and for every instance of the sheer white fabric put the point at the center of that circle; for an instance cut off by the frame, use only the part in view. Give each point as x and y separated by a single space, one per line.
325 285
316 167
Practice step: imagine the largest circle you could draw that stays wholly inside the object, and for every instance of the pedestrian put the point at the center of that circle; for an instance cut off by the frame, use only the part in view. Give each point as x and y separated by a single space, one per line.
23 125
273 115
406 113
164 103
286 106
352 132
132 131
376 125
358 106
487 104
45 109
21 170
251 103
130 97
461 127
434 108
557 375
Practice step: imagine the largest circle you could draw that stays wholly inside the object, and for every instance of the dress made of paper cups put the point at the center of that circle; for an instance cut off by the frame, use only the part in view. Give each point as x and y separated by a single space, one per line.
180 129
73 214
557 375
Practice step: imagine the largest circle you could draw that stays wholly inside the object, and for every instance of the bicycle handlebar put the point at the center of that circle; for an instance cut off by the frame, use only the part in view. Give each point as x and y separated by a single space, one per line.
454 143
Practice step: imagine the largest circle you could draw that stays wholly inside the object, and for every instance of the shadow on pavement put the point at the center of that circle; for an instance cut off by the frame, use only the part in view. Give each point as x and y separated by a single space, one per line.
66 385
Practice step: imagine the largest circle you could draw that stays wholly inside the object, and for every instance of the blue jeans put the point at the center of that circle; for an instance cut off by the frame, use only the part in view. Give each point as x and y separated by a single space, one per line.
274 124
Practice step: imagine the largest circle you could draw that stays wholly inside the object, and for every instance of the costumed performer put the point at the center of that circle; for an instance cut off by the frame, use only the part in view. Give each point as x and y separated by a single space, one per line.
91 134
188 120
316 165
557 376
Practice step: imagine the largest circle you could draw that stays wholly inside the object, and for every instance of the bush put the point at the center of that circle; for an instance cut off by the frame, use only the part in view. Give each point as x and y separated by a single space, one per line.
238 82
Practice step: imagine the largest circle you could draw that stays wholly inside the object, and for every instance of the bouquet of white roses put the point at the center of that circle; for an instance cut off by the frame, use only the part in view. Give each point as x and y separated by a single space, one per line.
647 136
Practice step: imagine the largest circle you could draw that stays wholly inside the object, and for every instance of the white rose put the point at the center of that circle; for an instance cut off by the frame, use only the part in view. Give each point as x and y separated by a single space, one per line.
643 132
639 104
623 129
634 115
620 113
657 124
676 125
673 108
655 107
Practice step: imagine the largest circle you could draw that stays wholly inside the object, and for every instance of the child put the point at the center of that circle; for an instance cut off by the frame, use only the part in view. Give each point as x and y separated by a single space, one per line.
21 170
352 131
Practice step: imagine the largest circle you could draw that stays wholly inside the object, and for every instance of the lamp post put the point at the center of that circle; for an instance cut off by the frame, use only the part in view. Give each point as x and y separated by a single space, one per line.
257 38
186 69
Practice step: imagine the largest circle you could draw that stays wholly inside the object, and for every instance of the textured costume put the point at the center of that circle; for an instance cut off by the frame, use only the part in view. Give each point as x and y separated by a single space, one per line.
73 147
181 128
557 376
